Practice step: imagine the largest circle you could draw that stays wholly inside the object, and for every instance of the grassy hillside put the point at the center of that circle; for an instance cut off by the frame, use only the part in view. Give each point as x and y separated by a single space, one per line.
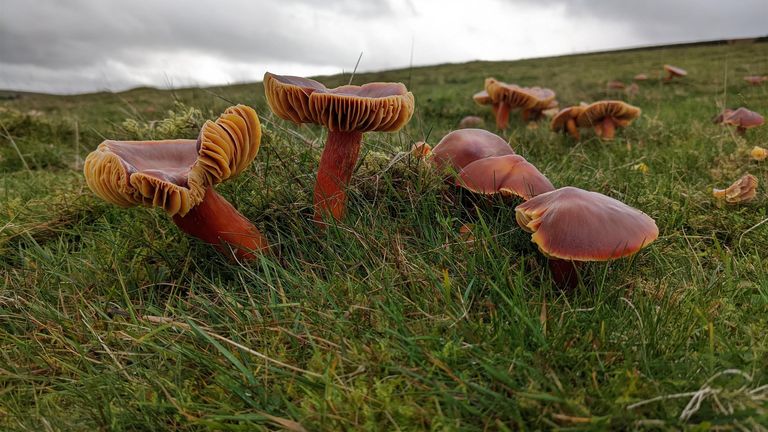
112 319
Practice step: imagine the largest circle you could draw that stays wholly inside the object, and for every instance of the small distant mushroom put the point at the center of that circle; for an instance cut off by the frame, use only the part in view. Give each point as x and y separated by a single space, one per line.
464 146
755 80
471 122
743 190
482 98
546 101
347 112
640 77
743 119
565 121
758 153
673 72
632 90
508 97
573 225
179 176
606 116
615 85
510 175
421 150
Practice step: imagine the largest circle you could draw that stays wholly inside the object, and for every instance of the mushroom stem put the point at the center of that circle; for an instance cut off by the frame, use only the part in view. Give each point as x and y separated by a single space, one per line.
572 129
502 115
609 128
565 273
741 130
495 109
336 165
217 222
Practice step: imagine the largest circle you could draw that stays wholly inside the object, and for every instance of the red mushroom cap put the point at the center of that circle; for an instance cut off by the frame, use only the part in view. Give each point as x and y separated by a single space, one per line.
509 174
743 118
464 146
577 225
675 71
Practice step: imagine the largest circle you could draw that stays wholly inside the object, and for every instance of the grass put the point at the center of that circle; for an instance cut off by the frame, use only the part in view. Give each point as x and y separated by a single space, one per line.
111 319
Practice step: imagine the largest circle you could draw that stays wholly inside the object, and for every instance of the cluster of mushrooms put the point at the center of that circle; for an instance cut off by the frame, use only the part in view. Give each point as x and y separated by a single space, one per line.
569 225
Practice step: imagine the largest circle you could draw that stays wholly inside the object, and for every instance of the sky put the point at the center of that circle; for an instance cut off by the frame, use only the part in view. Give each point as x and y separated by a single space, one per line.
79 46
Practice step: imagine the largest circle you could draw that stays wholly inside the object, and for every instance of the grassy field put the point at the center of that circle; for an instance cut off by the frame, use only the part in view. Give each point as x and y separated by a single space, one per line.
111 319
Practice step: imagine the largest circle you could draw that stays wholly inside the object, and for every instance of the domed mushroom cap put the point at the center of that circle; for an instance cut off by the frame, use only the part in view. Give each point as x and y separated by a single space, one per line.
578 225
615 85
464 146
509 174
640 77
560 119
174 174
675 71
482 98
384 107
512 94
743 118
622 112
755 79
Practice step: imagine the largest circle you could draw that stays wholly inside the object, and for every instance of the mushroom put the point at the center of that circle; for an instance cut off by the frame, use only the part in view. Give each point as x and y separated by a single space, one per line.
615 85
347 112
546 102
755 79
632 90
179 176
565 121
605 116
742 190
743 119
758 153
640 77
718 119
464 146
421 150
674 71
508 97
471 122
510 175
574 225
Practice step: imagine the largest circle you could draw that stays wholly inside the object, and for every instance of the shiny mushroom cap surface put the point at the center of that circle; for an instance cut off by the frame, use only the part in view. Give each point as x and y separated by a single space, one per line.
620 111
384 107
174 174
577 225
509 175
464 146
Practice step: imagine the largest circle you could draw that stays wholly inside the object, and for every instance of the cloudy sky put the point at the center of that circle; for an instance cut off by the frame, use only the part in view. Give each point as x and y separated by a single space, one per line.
91 45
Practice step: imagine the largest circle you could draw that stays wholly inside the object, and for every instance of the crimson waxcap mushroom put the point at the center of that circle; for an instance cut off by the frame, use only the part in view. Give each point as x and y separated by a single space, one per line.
471 122
743 119
464 146
546 102
605 116
577 225
347 112
742 190
565 121
508 97
755 79
510 175
179 175
674 71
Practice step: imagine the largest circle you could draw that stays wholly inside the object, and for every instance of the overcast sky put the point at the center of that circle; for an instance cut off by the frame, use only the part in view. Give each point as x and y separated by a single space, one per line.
91 45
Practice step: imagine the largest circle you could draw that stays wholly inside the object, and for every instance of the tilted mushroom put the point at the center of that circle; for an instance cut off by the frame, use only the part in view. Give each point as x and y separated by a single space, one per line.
510 175
743 119
575 225
565 121
606 116
674 71
508 97
758 153
464 146
471 122
755 79
347 112
179 176
742 190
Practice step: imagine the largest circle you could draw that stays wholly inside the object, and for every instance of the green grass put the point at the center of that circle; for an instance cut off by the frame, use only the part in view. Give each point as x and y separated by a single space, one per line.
111 319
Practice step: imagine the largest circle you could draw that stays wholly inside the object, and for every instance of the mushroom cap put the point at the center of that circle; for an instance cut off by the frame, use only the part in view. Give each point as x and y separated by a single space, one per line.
755 79
742 190
615 85
509 174
674 70
622 112
743 118
561 118
174 174
464 146
482 98
384 107
573 224
718 119
471 122
512 94
640 77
